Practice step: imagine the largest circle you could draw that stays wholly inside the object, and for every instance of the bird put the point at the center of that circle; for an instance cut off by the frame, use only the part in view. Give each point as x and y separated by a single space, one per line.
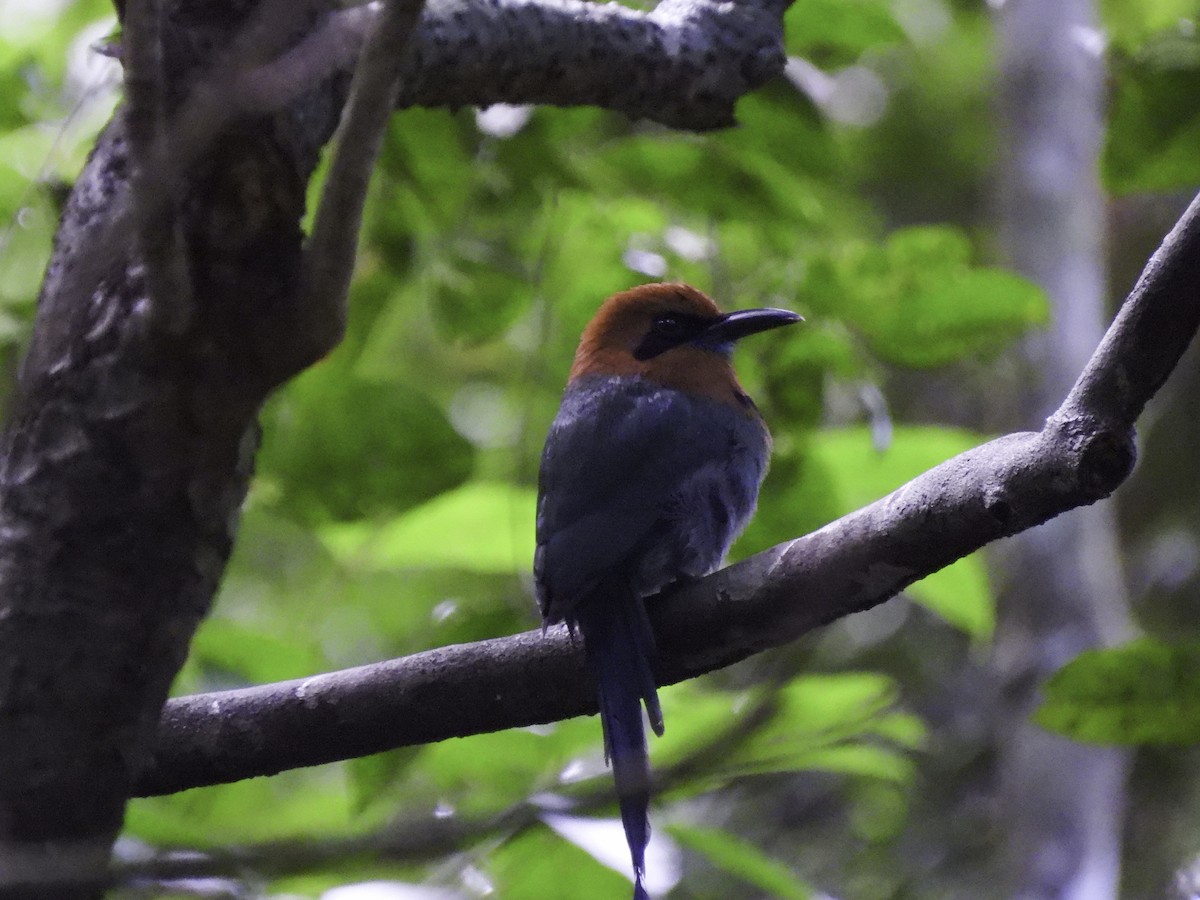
651 469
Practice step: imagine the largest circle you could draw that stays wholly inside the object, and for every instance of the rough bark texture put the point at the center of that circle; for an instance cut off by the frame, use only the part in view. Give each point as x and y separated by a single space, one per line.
125 462
565 54
685 64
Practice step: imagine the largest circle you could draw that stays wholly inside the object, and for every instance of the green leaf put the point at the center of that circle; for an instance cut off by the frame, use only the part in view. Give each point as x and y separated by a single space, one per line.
27 221
39 37
311 803
864 473
586 264
821 724
279 614
477 291
409 610
799 495
837 723
539 863
1154 126
838 31
1145 692
918 302
768 171
775 167
961 595
1131 23
479 527
254 654
801 368
371 778
970 313
338 447
858 474
424 171
850 759
880 809
743 860
486 773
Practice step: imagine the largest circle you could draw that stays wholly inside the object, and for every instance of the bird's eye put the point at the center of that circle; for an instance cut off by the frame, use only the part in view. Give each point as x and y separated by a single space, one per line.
668 326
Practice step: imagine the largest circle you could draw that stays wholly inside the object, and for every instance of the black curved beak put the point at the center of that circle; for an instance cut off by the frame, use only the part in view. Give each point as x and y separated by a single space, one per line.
745 322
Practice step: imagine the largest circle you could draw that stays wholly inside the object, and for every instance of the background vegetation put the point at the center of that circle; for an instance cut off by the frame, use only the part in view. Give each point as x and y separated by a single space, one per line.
393 506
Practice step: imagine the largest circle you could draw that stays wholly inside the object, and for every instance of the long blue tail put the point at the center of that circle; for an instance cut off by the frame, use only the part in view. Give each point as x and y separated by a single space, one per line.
620 647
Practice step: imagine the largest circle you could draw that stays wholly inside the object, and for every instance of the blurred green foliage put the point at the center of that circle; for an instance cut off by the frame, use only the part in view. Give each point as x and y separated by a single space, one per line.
1145 692
393 508
742 859
1155 121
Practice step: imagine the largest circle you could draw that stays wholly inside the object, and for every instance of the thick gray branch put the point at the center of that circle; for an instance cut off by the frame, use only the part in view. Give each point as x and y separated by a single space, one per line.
686 64
1015 482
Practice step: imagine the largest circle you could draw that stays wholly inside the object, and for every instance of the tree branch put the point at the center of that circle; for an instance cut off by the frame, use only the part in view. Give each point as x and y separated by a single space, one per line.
1152 329
1005 486
422 835
684 65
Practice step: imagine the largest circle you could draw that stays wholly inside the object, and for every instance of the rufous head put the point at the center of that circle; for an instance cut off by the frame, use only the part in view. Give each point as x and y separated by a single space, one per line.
672 334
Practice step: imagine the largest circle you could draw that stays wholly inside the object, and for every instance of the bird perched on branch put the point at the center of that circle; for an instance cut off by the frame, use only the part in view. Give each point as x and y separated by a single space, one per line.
651 469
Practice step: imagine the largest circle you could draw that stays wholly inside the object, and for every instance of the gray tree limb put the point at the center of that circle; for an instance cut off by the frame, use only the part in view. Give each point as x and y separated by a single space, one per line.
684 65
419 836
1006 486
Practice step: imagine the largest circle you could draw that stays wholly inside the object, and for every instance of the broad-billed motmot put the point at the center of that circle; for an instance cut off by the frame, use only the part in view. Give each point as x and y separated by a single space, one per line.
651 469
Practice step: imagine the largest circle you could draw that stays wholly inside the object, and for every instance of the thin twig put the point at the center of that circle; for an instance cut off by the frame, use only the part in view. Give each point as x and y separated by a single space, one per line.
331 47
332 248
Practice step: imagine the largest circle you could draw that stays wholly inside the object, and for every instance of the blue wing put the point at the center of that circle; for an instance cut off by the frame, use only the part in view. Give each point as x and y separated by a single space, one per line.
644 478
